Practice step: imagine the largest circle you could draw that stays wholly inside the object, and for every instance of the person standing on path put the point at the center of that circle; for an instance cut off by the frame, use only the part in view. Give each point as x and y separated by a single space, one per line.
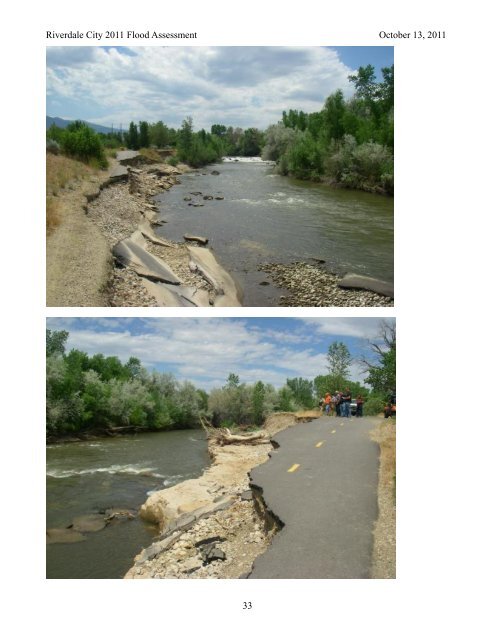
346 404
328 403
359 406
337 403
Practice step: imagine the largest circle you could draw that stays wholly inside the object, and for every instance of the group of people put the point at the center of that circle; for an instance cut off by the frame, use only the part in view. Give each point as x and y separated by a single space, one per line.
339 404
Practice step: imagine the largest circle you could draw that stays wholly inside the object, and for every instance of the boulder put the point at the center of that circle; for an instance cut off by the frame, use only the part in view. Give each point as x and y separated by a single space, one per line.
62 536
212 553
89 523
215 172
355 281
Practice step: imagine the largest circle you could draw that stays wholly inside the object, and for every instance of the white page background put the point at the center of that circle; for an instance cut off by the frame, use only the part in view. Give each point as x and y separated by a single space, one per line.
443 211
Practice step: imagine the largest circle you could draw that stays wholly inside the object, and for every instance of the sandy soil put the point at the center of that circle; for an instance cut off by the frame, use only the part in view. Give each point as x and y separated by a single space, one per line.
78 260
385 528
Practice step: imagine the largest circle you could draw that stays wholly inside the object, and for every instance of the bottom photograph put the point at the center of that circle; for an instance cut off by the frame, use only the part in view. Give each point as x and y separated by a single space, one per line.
220 448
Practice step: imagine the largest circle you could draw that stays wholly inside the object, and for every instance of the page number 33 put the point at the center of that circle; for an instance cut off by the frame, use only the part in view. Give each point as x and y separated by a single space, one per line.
247 605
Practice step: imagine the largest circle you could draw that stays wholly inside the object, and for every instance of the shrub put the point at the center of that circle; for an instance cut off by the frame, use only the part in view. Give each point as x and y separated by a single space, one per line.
84 144
52 146
278 139
373 406
367 166
304 158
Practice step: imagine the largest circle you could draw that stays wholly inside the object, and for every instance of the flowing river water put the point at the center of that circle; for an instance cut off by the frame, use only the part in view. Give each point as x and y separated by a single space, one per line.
91 476
264 217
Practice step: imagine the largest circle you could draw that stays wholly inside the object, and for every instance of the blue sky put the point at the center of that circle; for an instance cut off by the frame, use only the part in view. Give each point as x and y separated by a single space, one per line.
355 57
238 86
206 350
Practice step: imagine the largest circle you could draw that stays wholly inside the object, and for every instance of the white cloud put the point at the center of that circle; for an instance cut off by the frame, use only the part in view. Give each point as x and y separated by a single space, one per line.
352 327
239 86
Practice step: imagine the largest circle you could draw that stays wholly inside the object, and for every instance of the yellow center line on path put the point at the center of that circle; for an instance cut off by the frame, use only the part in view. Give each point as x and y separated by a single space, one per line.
319 443
294 467
334 431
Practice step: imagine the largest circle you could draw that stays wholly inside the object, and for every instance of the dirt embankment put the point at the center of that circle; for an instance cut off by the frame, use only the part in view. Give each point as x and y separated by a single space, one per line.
385 527
78 259
212 526
94 212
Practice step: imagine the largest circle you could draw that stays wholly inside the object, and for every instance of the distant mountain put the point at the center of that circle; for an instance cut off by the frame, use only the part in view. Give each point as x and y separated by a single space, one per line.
60 122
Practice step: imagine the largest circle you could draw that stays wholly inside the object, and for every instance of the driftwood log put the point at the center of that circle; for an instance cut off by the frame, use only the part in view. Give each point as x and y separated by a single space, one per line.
223 436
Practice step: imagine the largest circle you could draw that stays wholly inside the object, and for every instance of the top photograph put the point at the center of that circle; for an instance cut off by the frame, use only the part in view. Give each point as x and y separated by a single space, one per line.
219 176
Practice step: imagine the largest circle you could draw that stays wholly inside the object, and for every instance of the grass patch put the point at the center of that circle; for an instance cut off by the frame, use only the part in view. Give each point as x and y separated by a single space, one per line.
61 173
52 213
384 534
151 155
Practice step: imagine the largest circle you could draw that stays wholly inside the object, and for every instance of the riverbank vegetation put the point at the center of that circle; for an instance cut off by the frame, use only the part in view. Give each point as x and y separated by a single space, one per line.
87 393
78 141
100 393
349 142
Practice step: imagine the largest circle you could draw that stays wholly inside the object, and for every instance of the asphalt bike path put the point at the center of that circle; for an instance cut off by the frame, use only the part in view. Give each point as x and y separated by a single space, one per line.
322 484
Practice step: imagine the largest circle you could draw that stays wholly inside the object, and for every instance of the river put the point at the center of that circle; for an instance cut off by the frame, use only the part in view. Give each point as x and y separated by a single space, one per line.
265 217
91 476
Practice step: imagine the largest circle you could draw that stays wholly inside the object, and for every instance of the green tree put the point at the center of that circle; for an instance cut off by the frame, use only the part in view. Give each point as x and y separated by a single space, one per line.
258 401
185 138
333 116
302 392
232 381
159 134
386 88
133 367
82 143
252 142
365 83
55 342
339 360
218 129
144 135
381 361
285 400
133 137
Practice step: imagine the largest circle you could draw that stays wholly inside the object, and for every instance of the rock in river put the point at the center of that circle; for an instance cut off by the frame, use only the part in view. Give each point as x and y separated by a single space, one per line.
355 281
89 523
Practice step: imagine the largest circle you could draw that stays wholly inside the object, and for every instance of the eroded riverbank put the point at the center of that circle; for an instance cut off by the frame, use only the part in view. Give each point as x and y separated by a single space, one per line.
122 213
213 526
